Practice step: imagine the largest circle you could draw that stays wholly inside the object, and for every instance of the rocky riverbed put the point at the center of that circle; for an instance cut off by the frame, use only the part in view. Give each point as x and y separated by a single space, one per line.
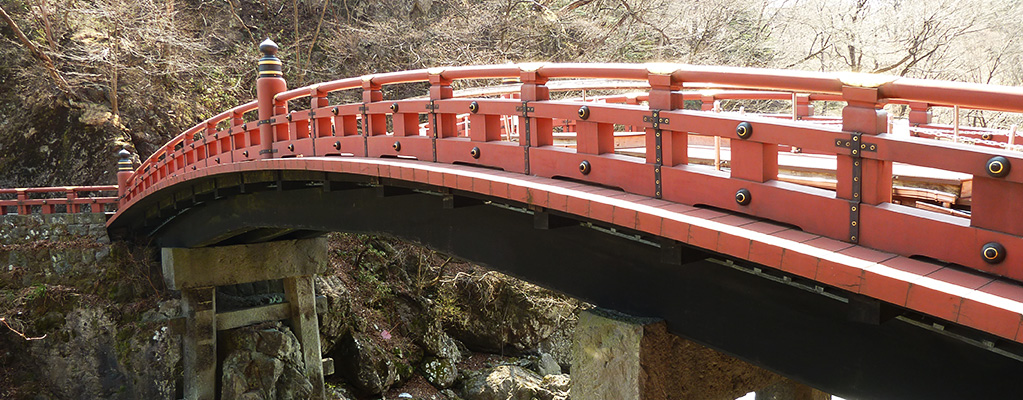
88 319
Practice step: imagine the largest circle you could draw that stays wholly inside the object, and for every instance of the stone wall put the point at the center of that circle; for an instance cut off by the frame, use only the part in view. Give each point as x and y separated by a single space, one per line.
52 246
23 229
97 320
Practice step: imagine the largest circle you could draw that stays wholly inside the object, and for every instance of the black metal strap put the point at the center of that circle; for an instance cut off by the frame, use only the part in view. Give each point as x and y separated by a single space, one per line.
856 145
365 128
432 106
525 109
656 121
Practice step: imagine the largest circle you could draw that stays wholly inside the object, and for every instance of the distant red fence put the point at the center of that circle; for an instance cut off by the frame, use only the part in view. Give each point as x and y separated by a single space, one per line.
55 200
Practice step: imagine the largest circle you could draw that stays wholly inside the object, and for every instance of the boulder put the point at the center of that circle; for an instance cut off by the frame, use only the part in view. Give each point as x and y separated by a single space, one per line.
263 362
557 383
368 366
547 365
338 318
509 382
495 313
440 372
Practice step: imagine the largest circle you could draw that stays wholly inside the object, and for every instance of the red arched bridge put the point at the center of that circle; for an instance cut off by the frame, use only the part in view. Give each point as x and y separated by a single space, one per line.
863 255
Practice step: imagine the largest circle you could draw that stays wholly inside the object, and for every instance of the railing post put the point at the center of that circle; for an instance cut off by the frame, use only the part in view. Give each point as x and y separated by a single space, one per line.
707 102
322 122
70 194
802 105
23 209
862 180
124 172
269 84
919 113
440 89
372 124
538 131
665 96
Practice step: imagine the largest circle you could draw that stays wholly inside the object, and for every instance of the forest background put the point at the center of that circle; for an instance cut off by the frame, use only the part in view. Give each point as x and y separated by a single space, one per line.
80 79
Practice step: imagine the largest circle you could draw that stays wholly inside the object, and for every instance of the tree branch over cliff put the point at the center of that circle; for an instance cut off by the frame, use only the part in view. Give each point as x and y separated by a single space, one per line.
47 62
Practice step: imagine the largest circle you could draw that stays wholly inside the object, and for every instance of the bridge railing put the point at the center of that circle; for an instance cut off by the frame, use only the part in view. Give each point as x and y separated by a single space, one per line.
54 200
859 210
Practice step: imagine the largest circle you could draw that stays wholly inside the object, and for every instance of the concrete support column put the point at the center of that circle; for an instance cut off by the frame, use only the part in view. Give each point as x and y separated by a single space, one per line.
301 297
200 342
197 272
616 356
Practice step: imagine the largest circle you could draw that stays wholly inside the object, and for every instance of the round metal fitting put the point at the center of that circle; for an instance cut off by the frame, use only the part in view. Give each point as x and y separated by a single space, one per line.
744 130
268 47
993 253
585 167
584 112
394 107
217 160
986 136
475 152
743 197
998 166
396 146
334 110
474 107
245 153
291 147
289 116
337 145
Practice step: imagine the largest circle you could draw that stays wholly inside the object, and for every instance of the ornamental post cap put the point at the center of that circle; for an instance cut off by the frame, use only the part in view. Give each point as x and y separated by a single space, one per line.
268 47
124 155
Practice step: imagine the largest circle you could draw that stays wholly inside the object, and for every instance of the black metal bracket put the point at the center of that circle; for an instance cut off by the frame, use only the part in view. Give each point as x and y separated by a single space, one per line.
656 121
265 121
525 109
856 147
365 128
432 106
271 151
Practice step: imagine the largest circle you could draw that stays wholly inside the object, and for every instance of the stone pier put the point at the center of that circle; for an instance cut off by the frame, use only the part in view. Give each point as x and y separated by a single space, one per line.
198 272
615 356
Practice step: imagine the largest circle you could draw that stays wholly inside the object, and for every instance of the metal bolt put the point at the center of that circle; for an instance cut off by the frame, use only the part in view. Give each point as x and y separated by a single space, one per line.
998 166
584 112
744 130
585 167
743 197
993 252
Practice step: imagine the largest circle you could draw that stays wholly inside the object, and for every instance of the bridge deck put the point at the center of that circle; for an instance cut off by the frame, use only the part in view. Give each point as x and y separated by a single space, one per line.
966 297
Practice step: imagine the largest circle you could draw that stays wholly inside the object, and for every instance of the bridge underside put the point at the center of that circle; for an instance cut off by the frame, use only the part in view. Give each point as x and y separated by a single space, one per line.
836 341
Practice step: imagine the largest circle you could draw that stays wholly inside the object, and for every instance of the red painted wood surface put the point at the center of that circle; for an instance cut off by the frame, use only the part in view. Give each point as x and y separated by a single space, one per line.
858 214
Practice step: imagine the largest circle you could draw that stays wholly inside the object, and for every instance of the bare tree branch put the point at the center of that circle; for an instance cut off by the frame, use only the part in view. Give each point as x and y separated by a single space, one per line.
47 62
